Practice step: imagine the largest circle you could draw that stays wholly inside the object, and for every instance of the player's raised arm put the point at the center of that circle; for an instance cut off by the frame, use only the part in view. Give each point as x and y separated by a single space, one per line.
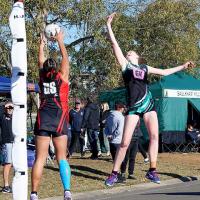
165 72
117 50
41 57
64 67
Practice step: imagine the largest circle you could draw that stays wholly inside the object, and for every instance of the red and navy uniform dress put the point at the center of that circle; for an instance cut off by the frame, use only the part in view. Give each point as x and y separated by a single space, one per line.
52 117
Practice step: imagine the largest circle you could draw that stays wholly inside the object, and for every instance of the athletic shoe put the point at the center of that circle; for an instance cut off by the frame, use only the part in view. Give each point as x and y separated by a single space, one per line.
82 154
7 189
131 176
146 160
108 153
69 156
99 154
153 176
111 180
93 157
67 195
122 178
34 197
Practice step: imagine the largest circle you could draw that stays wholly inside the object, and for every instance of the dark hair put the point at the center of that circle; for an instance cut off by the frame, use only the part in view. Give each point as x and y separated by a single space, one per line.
89 100
49 64
142 60
119 105
17 1
77 101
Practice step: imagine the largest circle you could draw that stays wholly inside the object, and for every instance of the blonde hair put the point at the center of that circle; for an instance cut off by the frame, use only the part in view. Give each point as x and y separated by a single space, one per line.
105 106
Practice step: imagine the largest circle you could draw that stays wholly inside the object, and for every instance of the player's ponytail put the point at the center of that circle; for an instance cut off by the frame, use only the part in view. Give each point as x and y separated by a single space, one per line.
50 68
49 64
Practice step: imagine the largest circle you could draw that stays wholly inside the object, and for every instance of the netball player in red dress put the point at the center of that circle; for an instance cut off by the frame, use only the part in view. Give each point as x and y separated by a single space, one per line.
52 118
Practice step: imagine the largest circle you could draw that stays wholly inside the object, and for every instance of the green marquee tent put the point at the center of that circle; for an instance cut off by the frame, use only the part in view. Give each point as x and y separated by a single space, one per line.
173 94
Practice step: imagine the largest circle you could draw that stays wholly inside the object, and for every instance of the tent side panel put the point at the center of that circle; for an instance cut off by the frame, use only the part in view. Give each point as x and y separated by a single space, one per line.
174 114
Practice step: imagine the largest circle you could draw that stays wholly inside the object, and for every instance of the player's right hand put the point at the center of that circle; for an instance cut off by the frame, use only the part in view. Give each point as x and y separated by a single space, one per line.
110 18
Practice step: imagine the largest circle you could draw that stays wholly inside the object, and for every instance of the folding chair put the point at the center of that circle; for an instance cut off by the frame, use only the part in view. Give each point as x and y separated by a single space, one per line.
192 143
50 157
173 141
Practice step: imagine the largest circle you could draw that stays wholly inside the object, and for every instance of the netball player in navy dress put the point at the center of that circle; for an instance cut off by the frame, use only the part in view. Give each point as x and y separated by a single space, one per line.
140 104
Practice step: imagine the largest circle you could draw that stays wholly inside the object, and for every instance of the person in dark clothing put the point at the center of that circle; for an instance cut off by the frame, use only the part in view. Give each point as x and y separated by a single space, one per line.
75 120
7 143
90 122
192 134
142 151
131 155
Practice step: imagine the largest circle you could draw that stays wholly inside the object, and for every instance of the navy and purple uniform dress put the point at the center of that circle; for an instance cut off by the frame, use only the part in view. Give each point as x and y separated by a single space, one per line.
139 97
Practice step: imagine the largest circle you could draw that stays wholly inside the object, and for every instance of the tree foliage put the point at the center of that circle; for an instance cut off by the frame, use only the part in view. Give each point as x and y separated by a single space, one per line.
165 32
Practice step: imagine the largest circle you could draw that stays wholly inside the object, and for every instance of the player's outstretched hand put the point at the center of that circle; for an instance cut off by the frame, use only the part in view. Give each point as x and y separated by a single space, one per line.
59 36
188 65
110 18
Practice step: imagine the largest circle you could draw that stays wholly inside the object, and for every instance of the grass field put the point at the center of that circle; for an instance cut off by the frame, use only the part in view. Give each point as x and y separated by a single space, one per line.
89 174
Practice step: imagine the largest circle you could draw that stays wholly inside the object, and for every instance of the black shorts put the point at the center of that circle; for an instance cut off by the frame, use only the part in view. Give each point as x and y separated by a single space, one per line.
48 133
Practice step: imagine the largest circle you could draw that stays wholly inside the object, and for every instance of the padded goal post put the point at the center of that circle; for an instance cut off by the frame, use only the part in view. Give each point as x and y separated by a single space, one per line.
19 99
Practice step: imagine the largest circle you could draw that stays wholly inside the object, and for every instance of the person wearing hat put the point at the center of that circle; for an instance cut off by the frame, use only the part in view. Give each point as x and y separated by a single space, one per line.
7 142
75 120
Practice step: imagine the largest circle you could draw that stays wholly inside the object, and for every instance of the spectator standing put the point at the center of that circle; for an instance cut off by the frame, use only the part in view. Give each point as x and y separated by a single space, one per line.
7 143
114 128
131 155
103 140
91 119
142 151
75 120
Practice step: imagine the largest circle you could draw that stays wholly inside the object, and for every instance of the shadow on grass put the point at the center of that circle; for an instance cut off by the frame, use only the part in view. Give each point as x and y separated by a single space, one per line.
176 193
76 173
56 169
88 169
107 159
182 178
83 169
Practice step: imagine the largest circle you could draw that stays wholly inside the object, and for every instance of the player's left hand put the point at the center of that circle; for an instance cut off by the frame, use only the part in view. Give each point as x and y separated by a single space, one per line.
59 36
188 65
